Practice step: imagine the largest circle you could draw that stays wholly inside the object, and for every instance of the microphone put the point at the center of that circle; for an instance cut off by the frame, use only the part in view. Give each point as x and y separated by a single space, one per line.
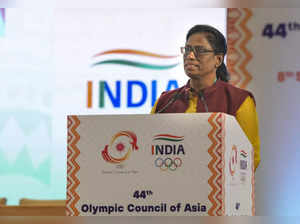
173 99
202 98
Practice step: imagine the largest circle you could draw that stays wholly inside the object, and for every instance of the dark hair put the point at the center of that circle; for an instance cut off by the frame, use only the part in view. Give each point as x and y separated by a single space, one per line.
217 42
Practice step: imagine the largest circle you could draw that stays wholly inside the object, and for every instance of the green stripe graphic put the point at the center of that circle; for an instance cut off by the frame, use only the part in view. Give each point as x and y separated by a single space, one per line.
169 139
243 155
136 64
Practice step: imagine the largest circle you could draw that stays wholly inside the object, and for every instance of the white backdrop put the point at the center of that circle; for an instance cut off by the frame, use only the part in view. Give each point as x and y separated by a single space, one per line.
279 108
45 64
269 54
47 57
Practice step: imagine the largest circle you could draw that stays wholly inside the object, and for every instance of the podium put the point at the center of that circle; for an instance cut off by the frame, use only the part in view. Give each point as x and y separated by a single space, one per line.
159 165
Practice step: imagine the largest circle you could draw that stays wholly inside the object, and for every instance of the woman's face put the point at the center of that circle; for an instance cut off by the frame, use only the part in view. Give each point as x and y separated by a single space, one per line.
202 62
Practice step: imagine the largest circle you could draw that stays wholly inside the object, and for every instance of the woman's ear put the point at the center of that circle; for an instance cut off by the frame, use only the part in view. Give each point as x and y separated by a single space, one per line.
220 59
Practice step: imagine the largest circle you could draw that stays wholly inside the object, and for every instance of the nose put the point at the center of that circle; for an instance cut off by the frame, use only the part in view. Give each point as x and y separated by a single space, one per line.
191 55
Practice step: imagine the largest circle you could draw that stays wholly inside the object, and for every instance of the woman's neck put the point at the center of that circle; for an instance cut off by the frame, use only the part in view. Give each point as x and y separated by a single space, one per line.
202 83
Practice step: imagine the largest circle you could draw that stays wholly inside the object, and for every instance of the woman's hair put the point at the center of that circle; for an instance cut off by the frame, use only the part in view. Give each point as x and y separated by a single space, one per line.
217 42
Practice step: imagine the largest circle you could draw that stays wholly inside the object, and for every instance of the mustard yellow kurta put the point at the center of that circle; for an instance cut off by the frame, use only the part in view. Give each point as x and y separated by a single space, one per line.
247 118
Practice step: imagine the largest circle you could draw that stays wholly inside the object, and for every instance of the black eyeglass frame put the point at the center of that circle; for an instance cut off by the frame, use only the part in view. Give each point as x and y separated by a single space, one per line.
197 50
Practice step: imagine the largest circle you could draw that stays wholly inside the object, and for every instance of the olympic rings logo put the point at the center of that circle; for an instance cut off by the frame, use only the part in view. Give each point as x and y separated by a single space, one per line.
168 163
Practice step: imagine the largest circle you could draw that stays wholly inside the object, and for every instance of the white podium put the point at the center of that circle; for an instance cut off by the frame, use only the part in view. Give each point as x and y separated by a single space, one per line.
159 165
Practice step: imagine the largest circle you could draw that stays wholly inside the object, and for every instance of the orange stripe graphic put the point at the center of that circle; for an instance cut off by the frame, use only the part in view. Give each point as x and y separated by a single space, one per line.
238 54
89 94
233 36
72 166
215 166
167 135
223 134
219 163
243 46
135 52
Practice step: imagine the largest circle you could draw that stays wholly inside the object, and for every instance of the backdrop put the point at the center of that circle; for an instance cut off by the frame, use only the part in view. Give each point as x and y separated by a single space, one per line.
79 61
73 61
263 57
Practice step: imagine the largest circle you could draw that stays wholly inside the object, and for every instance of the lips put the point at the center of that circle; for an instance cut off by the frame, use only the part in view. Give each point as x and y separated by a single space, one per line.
190 66
190 62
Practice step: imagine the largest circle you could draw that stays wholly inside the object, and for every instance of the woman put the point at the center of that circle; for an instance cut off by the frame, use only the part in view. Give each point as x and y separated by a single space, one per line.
208 89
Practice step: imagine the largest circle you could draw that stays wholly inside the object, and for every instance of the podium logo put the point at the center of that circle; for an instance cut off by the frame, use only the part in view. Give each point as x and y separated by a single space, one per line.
168 151
233 160
243 160
120 147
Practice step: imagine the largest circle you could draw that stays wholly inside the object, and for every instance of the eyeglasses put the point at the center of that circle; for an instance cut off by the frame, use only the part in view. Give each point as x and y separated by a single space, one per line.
197 50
